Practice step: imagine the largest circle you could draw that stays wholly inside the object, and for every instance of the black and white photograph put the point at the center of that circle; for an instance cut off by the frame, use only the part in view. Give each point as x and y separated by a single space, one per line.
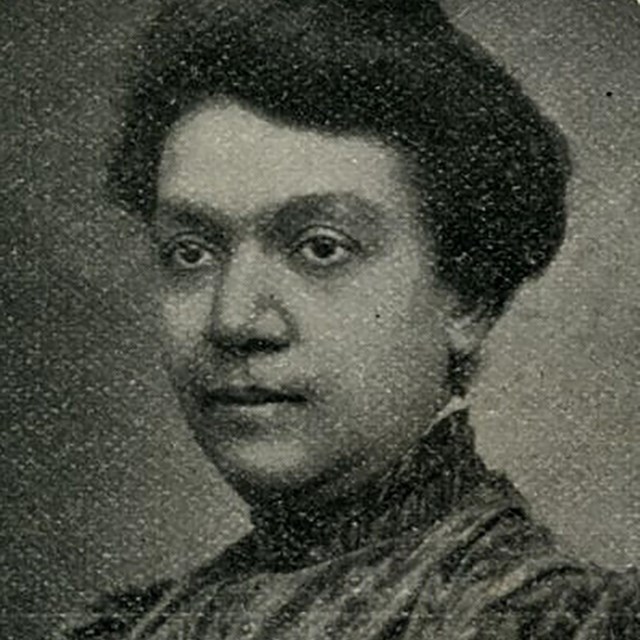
320 320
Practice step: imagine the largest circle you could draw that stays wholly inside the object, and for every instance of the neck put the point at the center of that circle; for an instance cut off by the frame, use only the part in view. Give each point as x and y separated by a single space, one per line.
418 489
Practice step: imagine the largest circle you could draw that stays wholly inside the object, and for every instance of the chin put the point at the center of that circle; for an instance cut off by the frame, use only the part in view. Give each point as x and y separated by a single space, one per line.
257 468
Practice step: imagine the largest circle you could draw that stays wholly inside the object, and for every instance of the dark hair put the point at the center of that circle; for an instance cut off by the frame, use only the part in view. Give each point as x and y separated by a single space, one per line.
492 171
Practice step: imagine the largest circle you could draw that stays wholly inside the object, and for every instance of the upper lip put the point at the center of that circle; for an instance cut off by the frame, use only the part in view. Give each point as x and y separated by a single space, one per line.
251 395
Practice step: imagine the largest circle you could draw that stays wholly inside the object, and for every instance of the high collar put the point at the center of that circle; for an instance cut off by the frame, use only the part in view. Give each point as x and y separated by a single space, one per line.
422 487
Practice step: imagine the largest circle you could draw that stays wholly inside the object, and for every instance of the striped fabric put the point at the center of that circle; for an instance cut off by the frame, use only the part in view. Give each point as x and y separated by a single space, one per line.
439 549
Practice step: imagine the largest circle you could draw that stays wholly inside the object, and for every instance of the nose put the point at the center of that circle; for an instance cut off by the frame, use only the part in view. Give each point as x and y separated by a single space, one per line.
249 315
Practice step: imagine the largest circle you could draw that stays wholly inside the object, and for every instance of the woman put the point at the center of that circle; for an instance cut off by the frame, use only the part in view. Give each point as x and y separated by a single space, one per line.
343 198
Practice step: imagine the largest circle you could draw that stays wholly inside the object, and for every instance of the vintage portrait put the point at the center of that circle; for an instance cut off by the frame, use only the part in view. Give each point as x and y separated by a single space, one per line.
322 320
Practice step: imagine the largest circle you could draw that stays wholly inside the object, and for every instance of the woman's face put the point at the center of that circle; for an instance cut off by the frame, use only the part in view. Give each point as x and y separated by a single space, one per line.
306 333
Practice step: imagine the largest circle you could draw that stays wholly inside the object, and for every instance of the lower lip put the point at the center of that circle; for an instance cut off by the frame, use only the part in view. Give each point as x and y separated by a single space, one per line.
262 409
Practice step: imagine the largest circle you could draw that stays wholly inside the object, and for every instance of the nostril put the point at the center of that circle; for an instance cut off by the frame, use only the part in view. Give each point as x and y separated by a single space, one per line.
248 346
259 325
263 344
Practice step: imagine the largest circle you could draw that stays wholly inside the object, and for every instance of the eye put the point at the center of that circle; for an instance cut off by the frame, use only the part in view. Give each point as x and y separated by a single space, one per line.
186 255
324 247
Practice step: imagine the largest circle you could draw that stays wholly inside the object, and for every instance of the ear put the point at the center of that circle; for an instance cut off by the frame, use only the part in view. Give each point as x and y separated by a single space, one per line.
467 330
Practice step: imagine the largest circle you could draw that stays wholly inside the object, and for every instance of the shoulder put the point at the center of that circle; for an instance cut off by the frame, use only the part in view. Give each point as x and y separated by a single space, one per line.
504 578
558 601
125 615
114 616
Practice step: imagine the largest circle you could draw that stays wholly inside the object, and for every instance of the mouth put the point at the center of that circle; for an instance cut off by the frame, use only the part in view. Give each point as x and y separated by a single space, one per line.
251 396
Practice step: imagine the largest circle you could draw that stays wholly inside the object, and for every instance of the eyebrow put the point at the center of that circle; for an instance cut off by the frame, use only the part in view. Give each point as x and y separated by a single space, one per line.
342 207
339 208
204 219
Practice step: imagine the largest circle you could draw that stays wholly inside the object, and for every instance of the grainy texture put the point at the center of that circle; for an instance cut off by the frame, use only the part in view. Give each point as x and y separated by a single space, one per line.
440 549
102 484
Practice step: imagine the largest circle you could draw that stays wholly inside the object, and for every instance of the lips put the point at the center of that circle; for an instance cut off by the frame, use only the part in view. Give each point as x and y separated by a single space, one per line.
251 396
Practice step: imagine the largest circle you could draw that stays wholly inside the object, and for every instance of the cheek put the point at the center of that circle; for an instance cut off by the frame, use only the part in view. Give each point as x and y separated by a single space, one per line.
394 311
185 318
381 346
400 360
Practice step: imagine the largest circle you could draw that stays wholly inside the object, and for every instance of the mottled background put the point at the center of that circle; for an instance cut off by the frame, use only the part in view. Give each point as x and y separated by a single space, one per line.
101 483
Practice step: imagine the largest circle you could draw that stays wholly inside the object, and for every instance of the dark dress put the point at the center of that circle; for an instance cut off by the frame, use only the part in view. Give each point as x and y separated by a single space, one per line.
440 549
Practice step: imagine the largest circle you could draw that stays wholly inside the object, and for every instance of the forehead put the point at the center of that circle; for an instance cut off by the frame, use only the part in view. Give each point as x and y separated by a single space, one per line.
226 156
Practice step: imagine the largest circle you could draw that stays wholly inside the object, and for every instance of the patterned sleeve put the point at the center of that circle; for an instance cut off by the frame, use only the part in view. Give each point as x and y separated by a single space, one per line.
114 616
567 603
510 583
